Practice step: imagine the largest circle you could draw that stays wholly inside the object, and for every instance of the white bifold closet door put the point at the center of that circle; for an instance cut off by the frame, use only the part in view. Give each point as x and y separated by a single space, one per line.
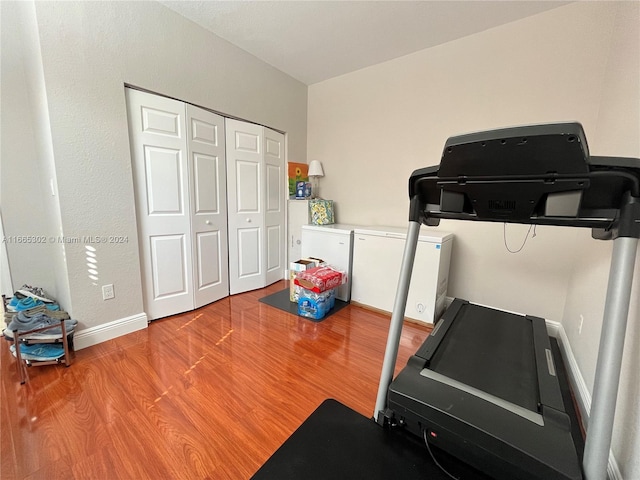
178 154
256 205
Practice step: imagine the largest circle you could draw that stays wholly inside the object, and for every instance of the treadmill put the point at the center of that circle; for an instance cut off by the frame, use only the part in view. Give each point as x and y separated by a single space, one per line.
483 385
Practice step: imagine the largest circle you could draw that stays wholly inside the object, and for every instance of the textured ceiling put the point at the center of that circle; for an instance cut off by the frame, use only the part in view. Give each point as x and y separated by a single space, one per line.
316 40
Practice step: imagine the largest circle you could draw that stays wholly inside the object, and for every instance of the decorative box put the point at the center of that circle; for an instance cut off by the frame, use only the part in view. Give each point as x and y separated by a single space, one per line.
321 212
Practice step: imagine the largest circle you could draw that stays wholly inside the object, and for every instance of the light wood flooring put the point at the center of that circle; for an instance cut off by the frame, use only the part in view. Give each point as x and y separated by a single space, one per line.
209 394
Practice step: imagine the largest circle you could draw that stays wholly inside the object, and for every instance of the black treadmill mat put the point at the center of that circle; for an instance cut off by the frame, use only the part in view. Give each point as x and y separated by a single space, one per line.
280 300
493 351
336 442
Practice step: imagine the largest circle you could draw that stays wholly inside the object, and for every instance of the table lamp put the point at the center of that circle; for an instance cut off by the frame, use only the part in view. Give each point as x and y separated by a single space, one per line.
315 172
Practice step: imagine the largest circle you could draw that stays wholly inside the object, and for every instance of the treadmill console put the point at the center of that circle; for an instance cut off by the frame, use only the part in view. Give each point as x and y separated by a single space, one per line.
540 174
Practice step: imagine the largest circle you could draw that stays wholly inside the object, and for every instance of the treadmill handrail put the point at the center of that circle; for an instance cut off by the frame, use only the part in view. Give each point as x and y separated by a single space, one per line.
429 193
634 179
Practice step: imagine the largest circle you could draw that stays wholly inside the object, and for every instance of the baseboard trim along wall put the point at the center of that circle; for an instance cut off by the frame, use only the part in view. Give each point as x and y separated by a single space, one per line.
107 331
579 386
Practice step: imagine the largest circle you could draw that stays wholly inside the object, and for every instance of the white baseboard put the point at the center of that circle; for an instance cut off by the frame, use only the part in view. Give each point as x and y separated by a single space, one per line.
107 331
579 386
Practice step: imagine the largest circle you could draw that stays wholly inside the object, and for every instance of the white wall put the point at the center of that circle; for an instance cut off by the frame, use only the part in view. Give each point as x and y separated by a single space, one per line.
373 127
29 187
89 51
617 133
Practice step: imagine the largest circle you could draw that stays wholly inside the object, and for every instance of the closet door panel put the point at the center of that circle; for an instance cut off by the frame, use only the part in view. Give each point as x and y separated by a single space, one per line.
245 177
208 186
163 174
274 218
169 265
274 236
249 261
248 187
160 122
157 130
208 246
206 183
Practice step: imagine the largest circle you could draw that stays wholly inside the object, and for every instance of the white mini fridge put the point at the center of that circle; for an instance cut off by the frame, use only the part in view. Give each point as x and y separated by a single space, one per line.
333 244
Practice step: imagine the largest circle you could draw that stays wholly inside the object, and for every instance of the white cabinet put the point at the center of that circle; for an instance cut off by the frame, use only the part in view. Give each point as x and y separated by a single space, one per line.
333 244
377 258
298 216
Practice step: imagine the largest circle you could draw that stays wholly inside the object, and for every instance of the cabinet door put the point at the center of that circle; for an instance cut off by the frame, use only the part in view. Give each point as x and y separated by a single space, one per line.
298 216
160 168
208 186
245 201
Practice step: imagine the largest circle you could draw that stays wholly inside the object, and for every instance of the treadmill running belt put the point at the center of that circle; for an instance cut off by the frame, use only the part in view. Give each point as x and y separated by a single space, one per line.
492 351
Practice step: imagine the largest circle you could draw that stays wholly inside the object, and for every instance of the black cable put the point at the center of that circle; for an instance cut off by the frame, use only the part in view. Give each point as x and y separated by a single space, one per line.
426 442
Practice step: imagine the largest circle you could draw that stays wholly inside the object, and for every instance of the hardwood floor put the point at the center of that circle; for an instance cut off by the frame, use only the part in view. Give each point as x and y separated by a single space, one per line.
209 394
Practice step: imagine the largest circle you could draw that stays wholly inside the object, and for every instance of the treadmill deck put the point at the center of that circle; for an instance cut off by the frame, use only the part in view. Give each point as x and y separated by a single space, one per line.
500 345
483 387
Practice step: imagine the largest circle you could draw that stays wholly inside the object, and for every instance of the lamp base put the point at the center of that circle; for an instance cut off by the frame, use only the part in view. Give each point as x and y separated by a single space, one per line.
315 189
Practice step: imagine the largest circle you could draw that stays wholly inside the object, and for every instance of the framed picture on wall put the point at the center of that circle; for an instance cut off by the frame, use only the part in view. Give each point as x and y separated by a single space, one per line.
298 172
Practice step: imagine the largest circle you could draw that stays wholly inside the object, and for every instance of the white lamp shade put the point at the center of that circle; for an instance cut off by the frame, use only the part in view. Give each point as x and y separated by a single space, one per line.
315 169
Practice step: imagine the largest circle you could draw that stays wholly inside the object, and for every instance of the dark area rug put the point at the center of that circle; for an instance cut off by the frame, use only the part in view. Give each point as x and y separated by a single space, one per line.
280 300
337 442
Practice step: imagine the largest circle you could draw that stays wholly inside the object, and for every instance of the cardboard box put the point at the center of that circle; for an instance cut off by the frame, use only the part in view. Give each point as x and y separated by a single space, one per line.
318 261
295 268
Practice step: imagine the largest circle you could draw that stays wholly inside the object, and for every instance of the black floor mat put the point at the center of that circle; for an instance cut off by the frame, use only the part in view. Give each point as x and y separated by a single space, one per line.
336 442
281 301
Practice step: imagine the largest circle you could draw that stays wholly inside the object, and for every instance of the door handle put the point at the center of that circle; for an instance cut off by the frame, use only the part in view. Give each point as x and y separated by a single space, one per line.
208 222
248 220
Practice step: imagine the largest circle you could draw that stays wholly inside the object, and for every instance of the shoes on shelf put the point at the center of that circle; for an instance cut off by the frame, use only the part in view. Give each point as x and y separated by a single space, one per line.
39 352
19 304
35 292
24 323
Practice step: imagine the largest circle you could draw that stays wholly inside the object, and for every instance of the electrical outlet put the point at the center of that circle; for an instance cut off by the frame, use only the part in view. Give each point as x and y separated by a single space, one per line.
108 292
580 327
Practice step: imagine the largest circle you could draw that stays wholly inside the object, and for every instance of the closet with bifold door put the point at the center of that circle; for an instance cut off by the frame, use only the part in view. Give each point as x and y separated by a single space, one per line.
188 209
